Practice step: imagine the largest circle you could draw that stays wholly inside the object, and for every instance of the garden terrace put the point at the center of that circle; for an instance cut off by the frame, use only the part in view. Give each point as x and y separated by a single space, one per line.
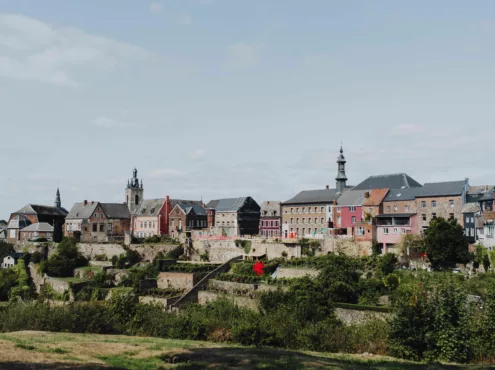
186 267
162 293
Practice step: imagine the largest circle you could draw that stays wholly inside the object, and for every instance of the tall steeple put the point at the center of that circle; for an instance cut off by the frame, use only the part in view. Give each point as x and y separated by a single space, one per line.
58 202
134 192
341 177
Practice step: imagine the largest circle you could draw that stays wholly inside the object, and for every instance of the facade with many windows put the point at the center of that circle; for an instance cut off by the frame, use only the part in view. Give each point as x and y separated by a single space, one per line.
270 219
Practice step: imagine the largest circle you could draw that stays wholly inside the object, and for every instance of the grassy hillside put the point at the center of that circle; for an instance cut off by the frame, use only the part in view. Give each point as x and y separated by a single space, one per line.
42 350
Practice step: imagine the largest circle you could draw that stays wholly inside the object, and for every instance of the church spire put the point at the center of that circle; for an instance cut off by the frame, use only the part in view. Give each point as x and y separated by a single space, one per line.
341 176
58 202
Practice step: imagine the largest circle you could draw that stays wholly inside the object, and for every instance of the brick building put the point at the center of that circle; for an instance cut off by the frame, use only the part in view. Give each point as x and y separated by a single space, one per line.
40 230
95 222
186 217
270 219
235 216
151 218
441 199
349 211
33 214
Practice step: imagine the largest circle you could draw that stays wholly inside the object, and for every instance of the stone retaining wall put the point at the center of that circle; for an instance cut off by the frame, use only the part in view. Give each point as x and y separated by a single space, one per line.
155 300
91 250
292 272
177 280
205 297
359 317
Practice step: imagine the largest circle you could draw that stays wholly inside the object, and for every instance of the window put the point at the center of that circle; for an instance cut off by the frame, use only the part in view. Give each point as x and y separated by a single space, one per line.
360 231
316 209
433 215
396 230
292 210
388 208
102 228
322 220
309 230
433 203
403 231
292 220
322 209
424 217
95 228
271 223
297 210
385 230
353 219
309 220
338 220
352 209
451 216
396 208
173 223
303 209
406 208
370 210
297 220
304 220
303 231
96 215
423 204
110 227
451 203
297 230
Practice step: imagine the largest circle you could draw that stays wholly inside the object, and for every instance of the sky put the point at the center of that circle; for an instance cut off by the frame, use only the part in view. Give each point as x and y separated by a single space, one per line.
229 98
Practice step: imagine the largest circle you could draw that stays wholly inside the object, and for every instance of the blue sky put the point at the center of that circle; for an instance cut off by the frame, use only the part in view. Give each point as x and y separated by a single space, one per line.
221 98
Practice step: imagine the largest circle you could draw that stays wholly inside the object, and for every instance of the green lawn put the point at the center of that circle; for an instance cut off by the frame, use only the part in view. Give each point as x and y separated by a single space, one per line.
29 350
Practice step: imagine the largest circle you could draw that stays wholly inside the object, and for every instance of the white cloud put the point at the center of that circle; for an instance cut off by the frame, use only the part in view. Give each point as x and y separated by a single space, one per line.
198 153
406 129
241 55
34 50
166 173
184 19
156 6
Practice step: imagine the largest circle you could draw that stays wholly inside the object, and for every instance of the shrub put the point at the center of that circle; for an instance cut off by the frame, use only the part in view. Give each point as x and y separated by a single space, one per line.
175 253
64 261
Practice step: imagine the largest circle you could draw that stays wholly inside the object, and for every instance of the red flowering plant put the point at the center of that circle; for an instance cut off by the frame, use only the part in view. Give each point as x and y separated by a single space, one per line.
258 268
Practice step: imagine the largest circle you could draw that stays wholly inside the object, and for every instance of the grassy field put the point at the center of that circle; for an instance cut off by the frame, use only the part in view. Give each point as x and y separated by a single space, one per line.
41 350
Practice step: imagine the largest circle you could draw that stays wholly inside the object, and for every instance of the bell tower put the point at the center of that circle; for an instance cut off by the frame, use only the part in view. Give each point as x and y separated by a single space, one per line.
134 192
341 176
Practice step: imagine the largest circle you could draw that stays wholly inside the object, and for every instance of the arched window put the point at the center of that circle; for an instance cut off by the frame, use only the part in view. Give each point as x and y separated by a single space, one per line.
136 200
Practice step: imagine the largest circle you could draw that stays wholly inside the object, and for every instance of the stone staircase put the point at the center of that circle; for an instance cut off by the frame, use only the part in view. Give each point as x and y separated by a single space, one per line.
191 296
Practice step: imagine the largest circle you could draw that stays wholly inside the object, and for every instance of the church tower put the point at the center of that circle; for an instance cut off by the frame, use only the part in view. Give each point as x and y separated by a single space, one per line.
341 177
134 192
58 202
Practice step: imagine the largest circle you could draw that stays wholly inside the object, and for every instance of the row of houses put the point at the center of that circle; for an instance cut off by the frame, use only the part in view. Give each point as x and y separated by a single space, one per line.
380 209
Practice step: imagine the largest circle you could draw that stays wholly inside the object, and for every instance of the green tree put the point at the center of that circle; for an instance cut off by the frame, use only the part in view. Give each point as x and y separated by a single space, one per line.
445 244
6 249
387 264
481 258
63 262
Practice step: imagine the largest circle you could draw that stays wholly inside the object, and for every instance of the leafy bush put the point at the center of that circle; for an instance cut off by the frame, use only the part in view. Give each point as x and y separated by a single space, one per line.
175 253
126 260
187 267
63 262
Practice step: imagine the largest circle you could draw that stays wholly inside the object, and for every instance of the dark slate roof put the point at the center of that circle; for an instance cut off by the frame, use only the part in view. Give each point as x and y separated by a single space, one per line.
480 189
438 189
487 196
81 211
402 194
227 205
198 210
116 210
352 198
34 209
174 202
19 222
314 196
150 207
39 227
391 181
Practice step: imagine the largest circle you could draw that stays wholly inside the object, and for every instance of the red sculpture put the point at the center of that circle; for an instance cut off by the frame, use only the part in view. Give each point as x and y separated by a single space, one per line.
258 268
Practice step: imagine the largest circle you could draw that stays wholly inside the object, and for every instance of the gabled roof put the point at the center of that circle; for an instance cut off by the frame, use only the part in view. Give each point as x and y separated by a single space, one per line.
198 210
81 211
227 205
174 202
34 209
269 206
149 207
391 181
43 227
19 222
471 208
402 194
480 189
352 198
376 197
314 196
438 189
116 210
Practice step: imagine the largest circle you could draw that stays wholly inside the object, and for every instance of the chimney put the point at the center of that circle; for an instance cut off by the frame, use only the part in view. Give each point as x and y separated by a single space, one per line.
85 203
328 187
367 194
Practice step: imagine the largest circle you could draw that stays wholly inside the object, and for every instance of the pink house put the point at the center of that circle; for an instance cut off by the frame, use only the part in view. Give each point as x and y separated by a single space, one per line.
349 210
391 228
